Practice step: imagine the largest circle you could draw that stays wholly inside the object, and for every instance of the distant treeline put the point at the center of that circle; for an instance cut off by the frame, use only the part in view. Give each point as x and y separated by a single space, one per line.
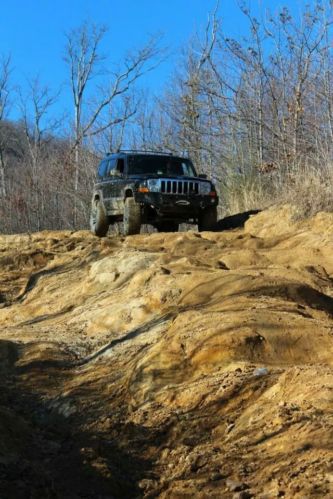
255 113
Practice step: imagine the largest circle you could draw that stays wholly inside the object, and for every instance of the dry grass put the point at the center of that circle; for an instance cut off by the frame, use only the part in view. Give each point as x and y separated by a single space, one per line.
308 188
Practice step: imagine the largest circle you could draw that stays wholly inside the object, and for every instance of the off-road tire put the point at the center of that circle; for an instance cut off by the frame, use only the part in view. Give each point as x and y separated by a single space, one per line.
208 219
167 227
132 217
99 224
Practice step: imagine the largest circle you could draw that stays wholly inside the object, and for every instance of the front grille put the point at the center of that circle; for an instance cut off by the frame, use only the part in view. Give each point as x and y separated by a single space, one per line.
179 187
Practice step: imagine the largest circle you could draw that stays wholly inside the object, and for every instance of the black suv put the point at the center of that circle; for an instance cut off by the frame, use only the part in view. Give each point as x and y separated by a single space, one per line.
154 188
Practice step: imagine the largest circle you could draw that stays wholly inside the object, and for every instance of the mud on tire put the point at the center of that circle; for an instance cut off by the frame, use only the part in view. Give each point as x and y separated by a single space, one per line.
207 219
99 224
132 217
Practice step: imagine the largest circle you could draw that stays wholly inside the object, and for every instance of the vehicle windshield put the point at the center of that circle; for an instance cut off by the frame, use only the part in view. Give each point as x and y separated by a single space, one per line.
160 165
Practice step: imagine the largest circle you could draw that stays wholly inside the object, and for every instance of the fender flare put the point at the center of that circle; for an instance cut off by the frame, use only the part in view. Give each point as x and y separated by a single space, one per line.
98 196
128 191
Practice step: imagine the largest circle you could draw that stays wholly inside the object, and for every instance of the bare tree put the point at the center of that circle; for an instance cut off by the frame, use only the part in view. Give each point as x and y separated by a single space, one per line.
92 115
39 129
5 71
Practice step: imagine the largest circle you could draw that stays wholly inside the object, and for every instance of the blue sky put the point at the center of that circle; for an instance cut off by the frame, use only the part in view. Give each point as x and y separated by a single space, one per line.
33 31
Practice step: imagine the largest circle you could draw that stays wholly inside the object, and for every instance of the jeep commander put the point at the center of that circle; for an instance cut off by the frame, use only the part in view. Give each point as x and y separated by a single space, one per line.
160 189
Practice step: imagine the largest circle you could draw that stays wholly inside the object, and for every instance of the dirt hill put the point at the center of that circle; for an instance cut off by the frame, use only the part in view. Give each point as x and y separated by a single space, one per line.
169 365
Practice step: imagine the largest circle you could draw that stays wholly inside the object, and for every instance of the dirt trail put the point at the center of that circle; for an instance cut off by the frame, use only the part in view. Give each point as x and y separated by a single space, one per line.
169 365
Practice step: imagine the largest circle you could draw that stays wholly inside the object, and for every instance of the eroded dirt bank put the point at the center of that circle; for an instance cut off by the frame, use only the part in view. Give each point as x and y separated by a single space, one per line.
169 365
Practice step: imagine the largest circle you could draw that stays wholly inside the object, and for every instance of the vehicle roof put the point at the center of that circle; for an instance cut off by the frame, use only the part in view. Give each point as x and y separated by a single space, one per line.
143 153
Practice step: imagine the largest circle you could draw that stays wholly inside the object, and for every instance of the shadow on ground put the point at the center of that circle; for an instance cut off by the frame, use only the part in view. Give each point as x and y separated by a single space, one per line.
47 454
234 221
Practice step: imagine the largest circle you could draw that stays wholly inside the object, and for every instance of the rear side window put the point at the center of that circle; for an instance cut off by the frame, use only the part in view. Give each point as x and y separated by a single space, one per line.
102 168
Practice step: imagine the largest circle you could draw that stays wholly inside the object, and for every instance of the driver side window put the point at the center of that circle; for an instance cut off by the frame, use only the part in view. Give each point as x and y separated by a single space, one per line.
111 167
115 167
120 166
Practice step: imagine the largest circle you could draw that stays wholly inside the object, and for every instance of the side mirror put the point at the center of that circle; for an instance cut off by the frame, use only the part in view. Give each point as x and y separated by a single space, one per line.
202 175
114 173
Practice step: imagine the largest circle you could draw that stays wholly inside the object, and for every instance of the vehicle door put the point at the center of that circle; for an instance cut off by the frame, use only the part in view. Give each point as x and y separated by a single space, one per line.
115 183
101 176
106 185
119 179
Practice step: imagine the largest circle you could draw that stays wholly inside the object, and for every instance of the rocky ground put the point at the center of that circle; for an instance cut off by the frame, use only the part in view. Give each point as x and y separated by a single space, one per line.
169 365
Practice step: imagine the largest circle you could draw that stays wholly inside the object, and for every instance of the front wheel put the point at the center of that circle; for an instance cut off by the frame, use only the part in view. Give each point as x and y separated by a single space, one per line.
207 219
99 224
132 217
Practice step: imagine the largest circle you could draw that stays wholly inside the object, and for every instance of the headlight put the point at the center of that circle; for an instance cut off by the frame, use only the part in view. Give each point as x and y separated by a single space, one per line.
143 187
205 188
153 185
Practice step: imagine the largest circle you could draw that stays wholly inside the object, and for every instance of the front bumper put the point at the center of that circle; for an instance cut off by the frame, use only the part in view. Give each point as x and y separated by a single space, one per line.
175 205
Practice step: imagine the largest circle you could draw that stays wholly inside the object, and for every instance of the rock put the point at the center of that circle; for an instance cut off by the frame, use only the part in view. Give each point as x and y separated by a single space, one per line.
260 371
236 486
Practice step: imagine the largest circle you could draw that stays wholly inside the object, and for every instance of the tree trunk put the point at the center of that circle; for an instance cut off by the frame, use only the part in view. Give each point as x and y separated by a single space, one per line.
3 190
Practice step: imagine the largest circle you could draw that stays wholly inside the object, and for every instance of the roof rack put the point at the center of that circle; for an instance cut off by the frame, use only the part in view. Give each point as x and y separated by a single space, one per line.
147 151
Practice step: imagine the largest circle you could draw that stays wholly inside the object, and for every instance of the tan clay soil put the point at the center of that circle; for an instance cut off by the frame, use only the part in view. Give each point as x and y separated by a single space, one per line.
168 365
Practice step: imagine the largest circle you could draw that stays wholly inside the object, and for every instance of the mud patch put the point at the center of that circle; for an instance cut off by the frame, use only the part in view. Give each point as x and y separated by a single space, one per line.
169 365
